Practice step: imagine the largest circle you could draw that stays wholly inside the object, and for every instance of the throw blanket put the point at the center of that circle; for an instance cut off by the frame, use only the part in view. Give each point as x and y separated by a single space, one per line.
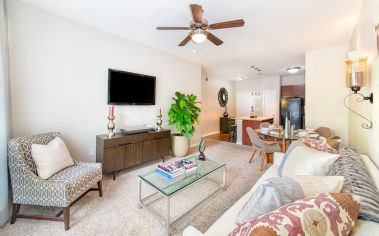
357 181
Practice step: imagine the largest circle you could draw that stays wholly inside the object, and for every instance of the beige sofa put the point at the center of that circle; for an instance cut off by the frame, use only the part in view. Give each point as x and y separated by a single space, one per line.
226 223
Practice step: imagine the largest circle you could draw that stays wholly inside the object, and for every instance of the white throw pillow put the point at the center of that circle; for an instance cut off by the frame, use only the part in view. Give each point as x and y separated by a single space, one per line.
313 185
51 158
303 160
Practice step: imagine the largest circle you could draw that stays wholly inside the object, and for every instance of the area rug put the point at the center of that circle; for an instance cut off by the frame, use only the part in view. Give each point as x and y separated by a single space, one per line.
117 212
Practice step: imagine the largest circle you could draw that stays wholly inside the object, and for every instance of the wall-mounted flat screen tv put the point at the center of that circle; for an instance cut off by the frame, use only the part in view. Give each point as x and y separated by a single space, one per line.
126 88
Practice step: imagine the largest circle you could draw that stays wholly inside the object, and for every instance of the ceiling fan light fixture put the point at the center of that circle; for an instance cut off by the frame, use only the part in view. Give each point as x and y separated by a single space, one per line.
198 36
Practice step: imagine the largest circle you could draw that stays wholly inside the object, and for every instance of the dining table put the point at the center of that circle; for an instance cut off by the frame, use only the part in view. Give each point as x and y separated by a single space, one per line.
279 135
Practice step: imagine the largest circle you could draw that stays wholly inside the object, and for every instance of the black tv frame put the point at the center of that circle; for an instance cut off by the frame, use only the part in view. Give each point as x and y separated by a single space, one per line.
131 73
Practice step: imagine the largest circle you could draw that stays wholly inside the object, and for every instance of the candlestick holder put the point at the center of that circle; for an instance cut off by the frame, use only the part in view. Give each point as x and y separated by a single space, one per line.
111 126
159 123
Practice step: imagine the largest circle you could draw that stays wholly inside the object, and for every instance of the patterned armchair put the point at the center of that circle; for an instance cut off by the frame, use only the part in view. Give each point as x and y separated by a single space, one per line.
60 190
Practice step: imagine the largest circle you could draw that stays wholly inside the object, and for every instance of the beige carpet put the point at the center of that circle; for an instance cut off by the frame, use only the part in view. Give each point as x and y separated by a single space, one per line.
117 212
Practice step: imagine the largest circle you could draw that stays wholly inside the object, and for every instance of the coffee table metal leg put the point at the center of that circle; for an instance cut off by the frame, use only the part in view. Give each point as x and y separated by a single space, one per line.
168 217
224 179
139 193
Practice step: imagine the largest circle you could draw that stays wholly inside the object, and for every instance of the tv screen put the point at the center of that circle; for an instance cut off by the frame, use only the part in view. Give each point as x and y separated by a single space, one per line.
126 88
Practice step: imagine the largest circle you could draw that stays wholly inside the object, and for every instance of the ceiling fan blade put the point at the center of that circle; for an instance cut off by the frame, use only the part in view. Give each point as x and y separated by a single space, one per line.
185 40
211 37
197 13
228 24
173 28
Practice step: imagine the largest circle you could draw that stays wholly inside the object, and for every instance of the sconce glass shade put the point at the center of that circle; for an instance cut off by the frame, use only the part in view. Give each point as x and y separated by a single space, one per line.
356 72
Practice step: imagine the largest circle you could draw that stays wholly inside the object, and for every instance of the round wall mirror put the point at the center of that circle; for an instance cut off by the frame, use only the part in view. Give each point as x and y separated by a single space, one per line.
223 97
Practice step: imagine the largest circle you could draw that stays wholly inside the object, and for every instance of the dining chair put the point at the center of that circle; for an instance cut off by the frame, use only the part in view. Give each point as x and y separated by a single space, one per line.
324 132
264 125
261 147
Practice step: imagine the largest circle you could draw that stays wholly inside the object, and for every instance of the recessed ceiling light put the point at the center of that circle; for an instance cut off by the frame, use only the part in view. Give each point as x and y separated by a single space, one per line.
194 51
293 70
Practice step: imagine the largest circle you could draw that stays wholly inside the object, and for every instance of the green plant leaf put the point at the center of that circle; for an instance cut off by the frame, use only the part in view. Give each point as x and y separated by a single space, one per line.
184 113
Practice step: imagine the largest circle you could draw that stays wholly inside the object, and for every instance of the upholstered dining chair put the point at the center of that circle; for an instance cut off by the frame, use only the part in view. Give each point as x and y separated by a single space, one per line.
263 148
324 132
61 190
264 125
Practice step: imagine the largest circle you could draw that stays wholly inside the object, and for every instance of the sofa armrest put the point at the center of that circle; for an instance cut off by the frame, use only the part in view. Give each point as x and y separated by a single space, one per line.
278 158
192 231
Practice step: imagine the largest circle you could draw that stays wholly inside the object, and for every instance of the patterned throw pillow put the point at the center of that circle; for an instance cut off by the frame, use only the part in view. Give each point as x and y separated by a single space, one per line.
279 191
321 214
320 144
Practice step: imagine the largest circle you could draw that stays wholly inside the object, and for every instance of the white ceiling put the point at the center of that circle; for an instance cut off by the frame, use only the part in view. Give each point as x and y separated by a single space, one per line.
276 34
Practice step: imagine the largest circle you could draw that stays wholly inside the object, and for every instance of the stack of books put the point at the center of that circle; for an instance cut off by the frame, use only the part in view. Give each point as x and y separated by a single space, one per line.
173 169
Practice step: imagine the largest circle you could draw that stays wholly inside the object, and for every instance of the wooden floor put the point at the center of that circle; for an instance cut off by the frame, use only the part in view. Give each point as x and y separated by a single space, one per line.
219 136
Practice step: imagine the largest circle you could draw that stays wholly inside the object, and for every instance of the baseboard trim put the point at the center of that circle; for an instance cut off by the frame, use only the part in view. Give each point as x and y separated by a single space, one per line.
211 133
194 144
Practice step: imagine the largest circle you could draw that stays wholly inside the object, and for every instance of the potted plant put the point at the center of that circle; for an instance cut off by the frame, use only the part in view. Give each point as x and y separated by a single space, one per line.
183 113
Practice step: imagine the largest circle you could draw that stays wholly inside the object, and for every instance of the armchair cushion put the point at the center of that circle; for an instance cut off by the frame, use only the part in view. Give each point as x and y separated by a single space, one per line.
51 158
77 179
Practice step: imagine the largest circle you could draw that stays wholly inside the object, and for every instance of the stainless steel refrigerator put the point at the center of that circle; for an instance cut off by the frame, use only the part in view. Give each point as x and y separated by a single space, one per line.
293 108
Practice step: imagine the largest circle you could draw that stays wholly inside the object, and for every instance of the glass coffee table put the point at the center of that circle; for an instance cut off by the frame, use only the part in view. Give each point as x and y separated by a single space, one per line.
168 188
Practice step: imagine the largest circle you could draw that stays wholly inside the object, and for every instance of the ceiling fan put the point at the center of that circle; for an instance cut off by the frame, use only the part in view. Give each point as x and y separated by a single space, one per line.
199 27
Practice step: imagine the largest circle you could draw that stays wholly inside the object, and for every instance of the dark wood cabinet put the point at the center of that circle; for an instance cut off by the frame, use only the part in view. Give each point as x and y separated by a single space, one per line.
293 91
128 150
298 91
225 123
164 147
150 150
133 154
115 159
286 91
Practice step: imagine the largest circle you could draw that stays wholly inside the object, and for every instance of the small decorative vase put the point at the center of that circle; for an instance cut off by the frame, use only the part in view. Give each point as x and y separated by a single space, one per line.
111 126
201 150
159 123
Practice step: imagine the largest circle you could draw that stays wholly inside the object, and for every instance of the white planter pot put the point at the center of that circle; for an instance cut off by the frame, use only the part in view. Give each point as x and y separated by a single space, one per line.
179 145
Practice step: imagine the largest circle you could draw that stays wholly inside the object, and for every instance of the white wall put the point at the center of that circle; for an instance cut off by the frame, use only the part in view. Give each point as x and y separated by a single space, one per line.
292 80
325 90
248 86
59 78
211 110
364 40
272 83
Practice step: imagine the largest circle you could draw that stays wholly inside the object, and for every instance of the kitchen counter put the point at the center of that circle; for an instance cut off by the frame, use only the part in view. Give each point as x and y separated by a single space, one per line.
254 123
259 118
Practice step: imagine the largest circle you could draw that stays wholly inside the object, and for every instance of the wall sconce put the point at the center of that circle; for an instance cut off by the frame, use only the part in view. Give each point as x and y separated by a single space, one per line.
356 73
